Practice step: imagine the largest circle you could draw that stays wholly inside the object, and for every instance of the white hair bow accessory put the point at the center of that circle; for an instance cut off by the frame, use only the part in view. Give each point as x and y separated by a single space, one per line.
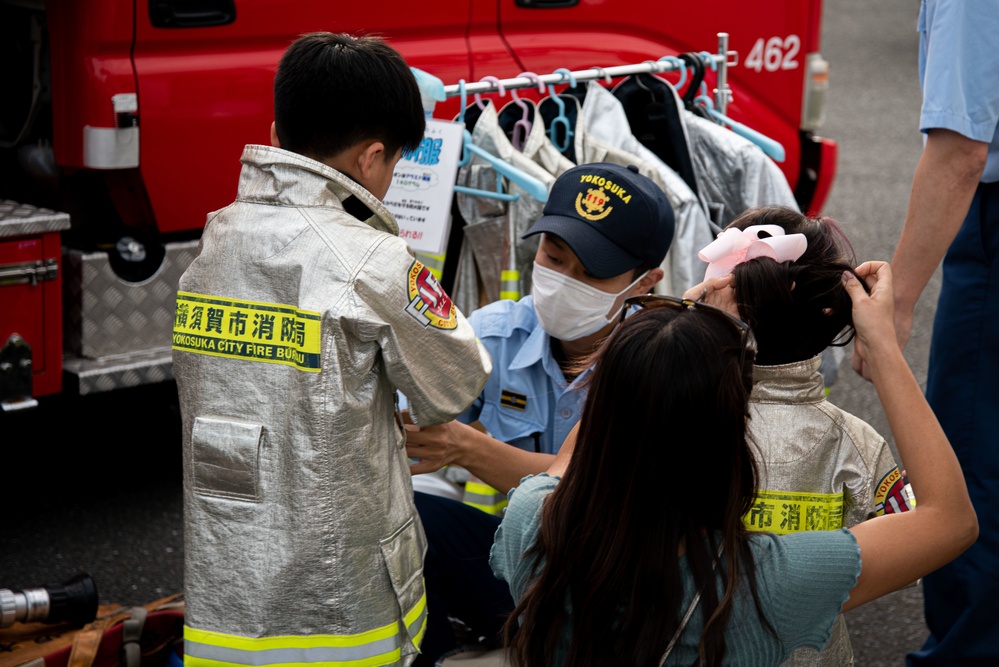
735 246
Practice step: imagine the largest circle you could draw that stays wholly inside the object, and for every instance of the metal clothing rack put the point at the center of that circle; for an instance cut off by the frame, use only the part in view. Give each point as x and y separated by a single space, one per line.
718 62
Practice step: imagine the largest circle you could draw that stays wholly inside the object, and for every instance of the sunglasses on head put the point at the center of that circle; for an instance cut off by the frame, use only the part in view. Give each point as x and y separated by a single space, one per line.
747 342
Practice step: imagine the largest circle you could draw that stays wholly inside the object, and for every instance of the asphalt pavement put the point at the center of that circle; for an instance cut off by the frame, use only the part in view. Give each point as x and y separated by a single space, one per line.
873 112
88 491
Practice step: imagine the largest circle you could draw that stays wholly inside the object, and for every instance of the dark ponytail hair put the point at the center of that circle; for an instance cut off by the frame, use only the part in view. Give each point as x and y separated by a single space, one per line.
796 309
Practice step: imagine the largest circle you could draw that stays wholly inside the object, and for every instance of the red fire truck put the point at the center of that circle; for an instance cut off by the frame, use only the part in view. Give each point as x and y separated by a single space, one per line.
123 122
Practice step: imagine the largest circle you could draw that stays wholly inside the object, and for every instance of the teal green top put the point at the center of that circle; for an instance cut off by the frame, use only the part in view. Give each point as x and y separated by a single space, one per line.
803 580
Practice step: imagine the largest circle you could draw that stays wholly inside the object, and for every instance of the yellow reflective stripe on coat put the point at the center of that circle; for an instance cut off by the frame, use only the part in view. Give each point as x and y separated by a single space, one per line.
484 497
381 646
510 285
784 512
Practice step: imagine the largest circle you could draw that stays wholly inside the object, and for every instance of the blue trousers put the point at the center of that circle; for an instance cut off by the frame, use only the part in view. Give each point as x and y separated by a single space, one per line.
460 583
961 599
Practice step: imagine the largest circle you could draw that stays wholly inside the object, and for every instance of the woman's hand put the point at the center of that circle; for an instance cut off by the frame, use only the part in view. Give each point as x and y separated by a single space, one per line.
718 292
873 314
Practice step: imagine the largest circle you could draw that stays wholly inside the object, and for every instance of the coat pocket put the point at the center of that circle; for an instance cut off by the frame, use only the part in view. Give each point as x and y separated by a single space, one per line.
403 553
226 458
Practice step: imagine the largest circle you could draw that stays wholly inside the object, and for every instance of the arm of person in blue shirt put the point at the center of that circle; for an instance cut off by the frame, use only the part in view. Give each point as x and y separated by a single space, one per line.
496 463
942 189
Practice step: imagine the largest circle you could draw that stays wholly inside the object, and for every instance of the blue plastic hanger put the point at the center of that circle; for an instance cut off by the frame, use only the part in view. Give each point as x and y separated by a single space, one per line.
489 194
528 183
560 121
680 66
771 147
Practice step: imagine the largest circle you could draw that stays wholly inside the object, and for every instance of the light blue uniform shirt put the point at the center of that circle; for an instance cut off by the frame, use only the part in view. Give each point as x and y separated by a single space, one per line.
526 402
959 71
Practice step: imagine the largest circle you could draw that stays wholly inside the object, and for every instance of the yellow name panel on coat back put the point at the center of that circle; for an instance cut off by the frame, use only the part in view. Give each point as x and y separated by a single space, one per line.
786 512
250 330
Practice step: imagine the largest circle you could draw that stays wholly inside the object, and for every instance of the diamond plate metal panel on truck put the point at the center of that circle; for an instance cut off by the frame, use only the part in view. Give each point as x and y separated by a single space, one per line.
107 316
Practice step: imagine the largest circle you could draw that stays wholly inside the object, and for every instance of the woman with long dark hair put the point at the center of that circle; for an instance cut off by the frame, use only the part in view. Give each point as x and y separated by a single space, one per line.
613 566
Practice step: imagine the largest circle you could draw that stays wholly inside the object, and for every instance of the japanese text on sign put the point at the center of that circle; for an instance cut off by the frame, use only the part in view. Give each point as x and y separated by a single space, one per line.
423 185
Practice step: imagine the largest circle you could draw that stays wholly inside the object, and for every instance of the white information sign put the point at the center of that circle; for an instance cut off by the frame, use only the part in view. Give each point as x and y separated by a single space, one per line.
422 186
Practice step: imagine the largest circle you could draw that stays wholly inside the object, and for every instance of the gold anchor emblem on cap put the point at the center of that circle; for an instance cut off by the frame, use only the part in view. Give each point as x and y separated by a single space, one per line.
595 203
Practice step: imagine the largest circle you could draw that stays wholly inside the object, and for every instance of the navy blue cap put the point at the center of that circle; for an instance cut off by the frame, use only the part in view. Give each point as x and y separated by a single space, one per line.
612 217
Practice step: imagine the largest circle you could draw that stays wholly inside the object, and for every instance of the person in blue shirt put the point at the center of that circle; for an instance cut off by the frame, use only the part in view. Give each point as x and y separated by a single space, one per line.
953 216
605 232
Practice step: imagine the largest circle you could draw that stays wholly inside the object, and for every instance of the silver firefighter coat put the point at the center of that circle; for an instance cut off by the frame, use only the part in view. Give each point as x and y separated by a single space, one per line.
821 469
299 319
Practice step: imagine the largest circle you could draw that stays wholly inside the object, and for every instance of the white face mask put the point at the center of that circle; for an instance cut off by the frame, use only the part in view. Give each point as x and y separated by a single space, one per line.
569 309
